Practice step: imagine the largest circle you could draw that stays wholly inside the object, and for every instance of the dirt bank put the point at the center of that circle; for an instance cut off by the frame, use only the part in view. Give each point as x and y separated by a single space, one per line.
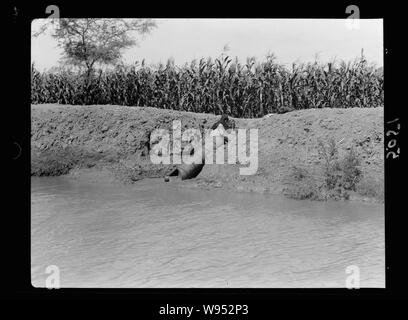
114 142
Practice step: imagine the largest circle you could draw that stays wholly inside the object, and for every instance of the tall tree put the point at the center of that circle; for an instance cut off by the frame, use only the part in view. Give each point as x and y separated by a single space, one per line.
87 42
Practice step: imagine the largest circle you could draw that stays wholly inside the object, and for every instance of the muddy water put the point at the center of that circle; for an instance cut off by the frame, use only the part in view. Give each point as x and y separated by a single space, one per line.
154 234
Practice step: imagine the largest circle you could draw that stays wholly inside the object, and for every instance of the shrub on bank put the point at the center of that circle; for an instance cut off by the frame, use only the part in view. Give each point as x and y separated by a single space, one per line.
340 176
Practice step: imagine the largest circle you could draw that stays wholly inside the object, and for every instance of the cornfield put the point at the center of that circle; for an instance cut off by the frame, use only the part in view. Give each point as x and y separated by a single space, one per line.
225 85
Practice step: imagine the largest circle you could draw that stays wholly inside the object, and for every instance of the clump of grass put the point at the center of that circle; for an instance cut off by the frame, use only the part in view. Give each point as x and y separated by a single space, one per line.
224 85
301 185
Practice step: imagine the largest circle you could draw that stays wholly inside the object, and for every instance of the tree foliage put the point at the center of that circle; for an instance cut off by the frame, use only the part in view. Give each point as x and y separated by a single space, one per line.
89 41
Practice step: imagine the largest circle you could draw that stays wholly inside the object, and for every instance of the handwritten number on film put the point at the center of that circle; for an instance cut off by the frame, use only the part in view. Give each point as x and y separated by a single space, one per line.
393 151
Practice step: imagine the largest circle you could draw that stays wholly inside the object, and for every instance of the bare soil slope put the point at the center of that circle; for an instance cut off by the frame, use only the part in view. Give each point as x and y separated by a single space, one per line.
113 141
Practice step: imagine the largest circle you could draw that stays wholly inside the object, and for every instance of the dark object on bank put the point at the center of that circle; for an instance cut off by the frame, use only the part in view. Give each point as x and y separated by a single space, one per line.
225 121
190 171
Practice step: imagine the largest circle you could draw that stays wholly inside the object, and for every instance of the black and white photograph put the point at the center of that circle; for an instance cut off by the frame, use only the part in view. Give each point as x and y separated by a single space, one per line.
208 152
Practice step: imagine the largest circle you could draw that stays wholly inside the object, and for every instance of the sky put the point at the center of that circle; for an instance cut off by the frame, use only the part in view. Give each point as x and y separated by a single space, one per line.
291 40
